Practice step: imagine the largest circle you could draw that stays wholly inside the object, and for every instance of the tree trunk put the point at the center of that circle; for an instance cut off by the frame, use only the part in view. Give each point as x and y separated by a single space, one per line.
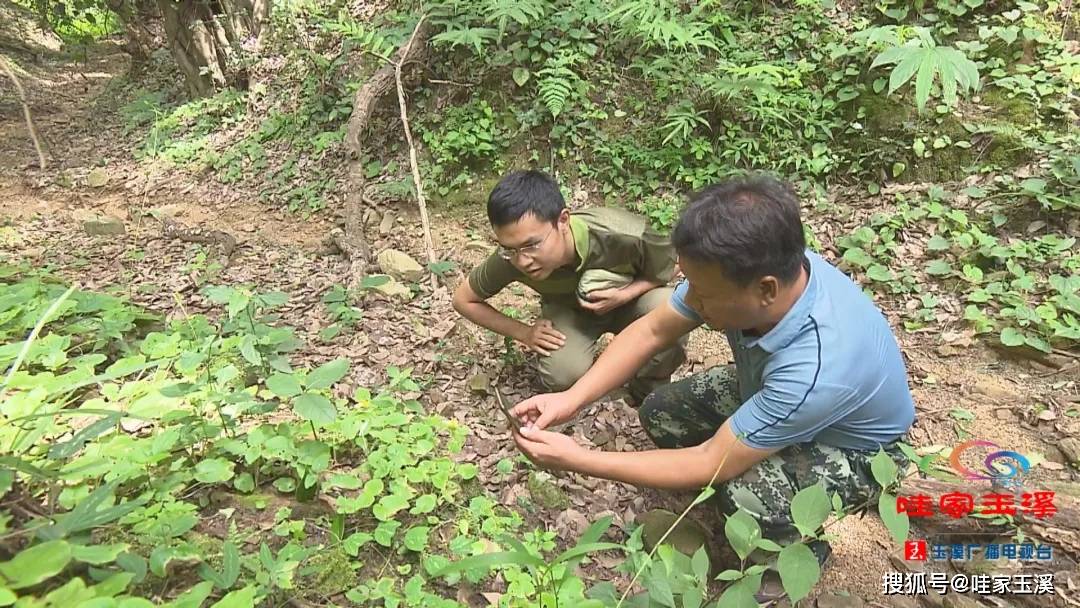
1061 529
206 39
352 242
140 41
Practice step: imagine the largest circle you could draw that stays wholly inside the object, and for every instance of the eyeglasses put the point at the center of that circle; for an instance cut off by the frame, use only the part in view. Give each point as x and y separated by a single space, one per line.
507 253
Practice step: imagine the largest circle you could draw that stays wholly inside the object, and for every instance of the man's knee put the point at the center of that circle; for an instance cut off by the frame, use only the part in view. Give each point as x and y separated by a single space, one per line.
657 419
558 373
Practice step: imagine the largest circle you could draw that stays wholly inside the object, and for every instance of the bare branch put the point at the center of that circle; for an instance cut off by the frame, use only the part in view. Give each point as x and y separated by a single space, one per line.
412 149
26 111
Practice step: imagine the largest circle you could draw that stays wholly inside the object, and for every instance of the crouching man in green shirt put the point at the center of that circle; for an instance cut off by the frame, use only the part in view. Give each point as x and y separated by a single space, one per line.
596 270
818 386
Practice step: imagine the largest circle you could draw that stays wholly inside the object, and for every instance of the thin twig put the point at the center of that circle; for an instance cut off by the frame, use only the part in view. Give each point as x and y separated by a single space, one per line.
412 150
26 111
678 520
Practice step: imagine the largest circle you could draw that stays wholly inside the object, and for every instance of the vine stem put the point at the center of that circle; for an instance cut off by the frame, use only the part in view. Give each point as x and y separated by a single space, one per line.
667 533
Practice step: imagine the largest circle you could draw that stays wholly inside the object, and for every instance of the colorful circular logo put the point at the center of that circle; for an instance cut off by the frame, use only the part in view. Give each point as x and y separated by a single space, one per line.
1013 463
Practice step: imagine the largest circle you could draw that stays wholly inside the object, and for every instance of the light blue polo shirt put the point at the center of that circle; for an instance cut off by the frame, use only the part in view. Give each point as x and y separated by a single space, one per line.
830 371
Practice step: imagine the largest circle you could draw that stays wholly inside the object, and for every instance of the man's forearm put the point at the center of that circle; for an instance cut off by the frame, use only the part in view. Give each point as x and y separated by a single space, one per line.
622 358
640 287
679 469
485 315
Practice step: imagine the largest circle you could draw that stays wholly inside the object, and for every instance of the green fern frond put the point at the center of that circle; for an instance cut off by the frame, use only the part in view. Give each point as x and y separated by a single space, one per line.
522 12
367 39
557 81
681 122
660 23
476 37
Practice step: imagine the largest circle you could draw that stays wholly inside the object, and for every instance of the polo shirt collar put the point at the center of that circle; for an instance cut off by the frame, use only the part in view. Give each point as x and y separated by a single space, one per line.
580 231
793 321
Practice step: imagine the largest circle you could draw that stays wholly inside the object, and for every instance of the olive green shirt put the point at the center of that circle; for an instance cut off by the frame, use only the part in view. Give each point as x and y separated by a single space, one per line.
605 238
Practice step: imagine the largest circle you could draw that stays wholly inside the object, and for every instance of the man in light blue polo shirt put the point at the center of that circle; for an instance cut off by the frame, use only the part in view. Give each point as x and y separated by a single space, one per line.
818 385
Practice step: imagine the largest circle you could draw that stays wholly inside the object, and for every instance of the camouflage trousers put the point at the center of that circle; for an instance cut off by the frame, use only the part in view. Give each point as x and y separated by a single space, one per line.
688 412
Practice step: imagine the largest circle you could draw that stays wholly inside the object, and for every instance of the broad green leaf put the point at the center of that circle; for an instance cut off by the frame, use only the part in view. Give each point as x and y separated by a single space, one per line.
883 468
879 273
904 70
810 508
741 594
416 539
134 564
593 533
1034 185
938 243
424 504
897 523
315 408
925 77
7 596
248 350
1038 343
768 545
742 532
97 554
245 483
230 565
700 564
486 561
284 385
327 374
948 77
36 564
521 76
799 570
691 598
729 575
660 591
584 549
858 257
191 598
214 470
1010 336
164 554
355 541
242 598
113 585
384 533
938 268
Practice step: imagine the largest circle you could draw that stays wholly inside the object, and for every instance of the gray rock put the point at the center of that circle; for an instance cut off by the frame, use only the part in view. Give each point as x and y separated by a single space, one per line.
104 226
393 289
387 223
1070 447
97 178
687 537
401 265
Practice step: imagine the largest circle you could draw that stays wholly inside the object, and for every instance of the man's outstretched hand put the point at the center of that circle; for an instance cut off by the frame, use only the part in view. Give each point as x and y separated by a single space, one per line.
549 450
544 411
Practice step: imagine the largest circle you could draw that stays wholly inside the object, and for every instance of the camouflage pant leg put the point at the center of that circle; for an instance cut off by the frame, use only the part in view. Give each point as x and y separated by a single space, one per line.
688 412
766 489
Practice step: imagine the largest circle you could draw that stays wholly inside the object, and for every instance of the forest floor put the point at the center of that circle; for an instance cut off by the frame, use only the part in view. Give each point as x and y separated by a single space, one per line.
960 385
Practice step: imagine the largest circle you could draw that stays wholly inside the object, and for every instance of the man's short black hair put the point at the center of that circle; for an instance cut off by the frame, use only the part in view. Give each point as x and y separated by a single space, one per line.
523 192
749 227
